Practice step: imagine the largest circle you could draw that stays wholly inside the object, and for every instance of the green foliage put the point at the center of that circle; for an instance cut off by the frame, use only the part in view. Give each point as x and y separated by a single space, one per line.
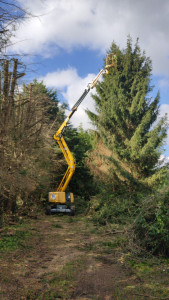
50 100
83 203
152 223
128 164
125 115
114 207
146 212
80 142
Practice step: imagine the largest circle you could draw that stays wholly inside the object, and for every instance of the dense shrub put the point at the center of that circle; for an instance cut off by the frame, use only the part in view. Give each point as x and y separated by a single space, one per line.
152 224
145 214
114 207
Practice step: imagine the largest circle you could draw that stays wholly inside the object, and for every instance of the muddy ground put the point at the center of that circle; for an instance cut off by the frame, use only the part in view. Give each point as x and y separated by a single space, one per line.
63 257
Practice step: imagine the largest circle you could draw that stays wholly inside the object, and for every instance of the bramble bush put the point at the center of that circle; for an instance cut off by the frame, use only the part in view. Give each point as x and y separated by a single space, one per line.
152 223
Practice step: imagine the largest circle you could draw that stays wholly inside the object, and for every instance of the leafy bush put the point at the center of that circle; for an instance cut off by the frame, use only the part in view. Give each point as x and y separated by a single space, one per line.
152 224
114 207
81 205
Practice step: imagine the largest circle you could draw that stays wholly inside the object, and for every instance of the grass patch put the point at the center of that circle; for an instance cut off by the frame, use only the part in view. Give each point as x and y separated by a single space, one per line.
70 220
57 225
13 241
154 274
88 247
103 246
111 245
62 284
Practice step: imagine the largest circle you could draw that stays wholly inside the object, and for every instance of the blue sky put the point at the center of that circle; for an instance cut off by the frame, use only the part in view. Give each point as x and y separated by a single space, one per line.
68 40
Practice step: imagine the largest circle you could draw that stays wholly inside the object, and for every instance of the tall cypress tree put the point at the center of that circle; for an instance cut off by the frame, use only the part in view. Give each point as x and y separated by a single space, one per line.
125 115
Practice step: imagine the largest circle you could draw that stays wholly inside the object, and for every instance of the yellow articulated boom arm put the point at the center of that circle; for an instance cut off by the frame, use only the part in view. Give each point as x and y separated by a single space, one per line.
62 144
110 61
70 161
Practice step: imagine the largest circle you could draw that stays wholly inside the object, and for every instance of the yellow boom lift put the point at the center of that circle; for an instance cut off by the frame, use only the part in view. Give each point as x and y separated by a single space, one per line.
60 201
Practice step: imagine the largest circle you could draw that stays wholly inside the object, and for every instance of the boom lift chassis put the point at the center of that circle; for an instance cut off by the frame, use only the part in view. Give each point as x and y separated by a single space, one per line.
60 201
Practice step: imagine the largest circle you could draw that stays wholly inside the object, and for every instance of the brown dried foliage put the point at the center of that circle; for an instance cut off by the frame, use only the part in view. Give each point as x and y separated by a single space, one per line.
26 154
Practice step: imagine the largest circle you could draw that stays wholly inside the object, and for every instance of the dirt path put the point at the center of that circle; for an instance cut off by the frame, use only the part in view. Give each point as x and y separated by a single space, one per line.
65 258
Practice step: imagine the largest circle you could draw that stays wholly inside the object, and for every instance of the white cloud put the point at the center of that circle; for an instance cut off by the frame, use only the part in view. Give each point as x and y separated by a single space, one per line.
164 82
71 85
61 78
164 109
163 159
95 24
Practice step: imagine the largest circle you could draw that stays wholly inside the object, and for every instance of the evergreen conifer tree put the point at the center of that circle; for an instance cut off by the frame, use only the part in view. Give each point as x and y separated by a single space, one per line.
125 115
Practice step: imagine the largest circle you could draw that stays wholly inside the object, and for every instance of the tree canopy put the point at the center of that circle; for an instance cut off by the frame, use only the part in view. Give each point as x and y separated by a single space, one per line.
126 117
